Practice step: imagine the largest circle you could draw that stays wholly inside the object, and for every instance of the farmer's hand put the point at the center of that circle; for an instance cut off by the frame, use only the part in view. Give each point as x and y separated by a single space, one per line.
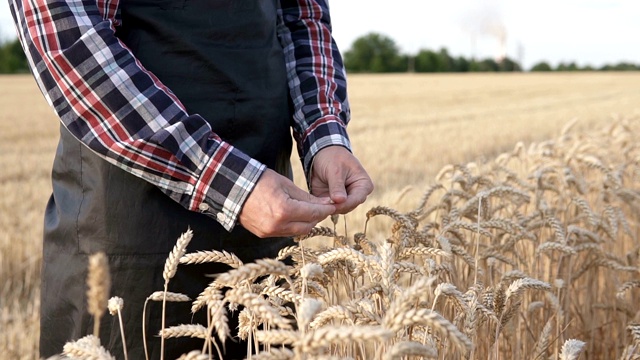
337 174
277 207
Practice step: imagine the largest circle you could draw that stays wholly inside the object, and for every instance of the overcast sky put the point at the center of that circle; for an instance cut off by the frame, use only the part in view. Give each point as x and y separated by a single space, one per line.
586 31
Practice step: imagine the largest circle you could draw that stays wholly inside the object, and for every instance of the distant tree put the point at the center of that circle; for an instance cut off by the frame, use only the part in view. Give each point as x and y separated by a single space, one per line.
406 63
12 58
542 66
429 61
567 67
446 61
487 65
622 66
375 53
508 65
461 64
474 66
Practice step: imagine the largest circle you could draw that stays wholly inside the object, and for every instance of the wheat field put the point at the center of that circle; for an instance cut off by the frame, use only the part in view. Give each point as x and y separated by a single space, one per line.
405 129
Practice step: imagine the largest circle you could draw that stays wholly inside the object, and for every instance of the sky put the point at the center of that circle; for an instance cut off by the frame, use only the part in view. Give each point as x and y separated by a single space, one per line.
593 32
585 31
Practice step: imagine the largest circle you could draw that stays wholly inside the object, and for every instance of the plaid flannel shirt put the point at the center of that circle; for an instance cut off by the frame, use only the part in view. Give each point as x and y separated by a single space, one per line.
121 111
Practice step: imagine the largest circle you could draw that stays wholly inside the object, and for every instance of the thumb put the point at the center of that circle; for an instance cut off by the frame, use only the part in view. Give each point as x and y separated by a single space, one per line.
337 190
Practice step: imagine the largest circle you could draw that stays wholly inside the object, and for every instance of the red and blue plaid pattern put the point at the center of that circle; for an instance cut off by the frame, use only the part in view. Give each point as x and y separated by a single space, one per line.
121 111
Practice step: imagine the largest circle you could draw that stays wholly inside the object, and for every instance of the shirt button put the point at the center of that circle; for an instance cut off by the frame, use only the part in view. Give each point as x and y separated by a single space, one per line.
203 207
221 217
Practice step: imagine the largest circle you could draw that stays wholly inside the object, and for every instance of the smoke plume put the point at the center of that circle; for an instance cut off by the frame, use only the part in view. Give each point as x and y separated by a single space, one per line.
485 20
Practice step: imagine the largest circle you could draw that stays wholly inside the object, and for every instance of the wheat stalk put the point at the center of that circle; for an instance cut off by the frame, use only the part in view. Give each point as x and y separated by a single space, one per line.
426 317
257 305
210 293
115 305
170 269
540 349
219 319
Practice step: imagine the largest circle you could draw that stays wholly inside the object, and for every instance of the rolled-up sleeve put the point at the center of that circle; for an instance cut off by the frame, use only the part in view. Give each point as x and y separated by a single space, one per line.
316 77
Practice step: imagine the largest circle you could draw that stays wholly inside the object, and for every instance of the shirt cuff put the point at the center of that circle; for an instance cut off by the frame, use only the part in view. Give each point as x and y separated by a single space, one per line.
224 185
323 133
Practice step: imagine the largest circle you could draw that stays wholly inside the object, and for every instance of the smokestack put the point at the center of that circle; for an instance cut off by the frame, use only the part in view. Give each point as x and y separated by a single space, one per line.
503 47
486 21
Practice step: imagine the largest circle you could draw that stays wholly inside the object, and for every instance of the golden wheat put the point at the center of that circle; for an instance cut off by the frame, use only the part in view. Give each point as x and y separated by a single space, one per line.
99 285
525 253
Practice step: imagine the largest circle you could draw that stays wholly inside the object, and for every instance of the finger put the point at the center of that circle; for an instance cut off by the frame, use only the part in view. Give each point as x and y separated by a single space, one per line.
337 189
321 192
308 212
302 206
298 194
357 195
293 228
293 218
297 228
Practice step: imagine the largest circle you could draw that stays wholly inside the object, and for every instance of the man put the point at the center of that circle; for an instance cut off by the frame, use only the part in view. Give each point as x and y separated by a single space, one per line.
177 114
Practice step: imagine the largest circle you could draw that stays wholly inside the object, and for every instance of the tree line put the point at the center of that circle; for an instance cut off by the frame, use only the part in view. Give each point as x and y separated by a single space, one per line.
12 58
376 53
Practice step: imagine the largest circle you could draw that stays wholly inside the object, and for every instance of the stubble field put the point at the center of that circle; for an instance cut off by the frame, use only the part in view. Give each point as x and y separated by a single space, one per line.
405 128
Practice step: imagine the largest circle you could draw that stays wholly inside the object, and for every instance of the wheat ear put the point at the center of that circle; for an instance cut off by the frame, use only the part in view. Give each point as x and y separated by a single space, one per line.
258 305
250 271
316 231
212 256
410 348
157 296
571 349
331 335
430 318
115 306
275 354
99 283
194 355
87 347
189 330
170 268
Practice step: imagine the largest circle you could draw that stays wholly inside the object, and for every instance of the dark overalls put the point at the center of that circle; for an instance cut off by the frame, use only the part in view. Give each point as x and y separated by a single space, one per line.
223 60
